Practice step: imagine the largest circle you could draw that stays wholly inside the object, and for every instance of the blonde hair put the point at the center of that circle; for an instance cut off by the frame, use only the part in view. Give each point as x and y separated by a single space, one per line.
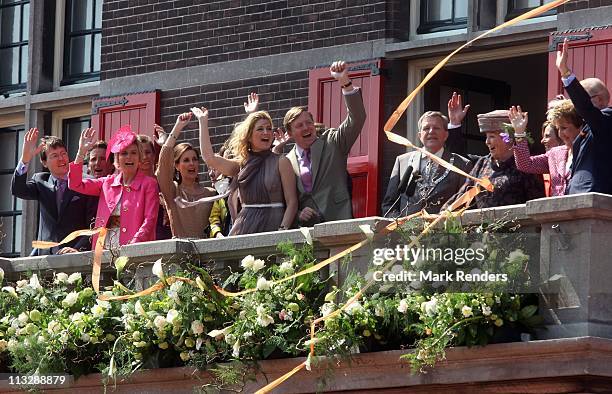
239 144
564 109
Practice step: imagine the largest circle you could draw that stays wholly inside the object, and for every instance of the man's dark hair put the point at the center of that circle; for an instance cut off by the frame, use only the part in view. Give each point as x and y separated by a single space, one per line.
50 142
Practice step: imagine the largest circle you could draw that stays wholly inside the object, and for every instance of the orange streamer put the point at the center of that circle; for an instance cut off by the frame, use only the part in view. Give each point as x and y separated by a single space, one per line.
70 237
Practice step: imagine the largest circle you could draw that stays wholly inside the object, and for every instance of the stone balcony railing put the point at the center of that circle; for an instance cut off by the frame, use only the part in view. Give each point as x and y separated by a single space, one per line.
575 259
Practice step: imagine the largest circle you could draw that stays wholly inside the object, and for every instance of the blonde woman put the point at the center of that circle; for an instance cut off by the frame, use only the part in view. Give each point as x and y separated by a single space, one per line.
265 180
177 175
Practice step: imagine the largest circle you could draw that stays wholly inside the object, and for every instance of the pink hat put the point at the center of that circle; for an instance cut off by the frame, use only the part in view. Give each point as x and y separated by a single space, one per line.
122 138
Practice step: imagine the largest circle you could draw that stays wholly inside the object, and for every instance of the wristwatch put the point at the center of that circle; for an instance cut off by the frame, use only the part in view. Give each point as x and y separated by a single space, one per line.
567 73
349 83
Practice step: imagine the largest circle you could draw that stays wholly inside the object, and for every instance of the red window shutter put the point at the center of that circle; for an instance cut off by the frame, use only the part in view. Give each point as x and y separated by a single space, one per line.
590 51
326 104
139 110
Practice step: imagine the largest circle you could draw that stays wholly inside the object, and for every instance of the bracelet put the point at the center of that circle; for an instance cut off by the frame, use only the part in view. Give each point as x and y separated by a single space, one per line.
520 135
567 73
349 83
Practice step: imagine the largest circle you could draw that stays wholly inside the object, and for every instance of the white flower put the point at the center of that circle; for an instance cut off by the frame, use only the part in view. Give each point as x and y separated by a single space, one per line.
200 283
158 269
44 301
176 286
74 277
172 315
327 308
1 275
85 337
10 290
70 300
219 333
430 307
21 284
379 311
236 349
263 284
486 310
98 311
247 262
160 322
285 267
54 327
23 318
139 309
76 317
517 255
257 265
35 283
403 306
197 327
61 277
354 307
263 318
120 263
199 343
467 311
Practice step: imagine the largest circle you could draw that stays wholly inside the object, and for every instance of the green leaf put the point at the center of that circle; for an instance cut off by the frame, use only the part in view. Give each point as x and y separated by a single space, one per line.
528 311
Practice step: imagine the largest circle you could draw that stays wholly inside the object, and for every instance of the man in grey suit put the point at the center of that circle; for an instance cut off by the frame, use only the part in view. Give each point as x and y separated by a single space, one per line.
319 163
416 181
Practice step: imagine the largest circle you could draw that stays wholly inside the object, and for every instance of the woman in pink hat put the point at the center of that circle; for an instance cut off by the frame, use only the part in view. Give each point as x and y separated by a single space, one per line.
129 200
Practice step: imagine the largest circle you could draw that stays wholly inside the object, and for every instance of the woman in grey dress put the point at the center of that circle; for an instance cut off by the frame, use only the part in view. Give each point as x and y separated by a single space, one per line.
266 182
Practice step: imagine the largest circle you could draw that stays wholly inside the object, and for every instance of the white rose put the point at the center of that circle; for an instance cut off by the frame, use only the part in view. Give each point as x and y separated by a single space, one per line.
160 322
74 277
258 264
139 309
486 310
85 337
265 320
1 275
44 301
467 311
286 267
61 277
431 307
21 284
172 315
76 317
354 307
158 270
10 290
35 283
70 300
197 327
98 311
23 318
263 284
403 306
247 262
54 327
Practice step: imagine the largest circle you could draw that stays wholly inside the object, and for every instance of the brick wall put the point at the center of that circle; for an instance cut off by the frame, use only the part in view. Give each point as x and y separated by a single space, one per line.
277 93
141 36
582 4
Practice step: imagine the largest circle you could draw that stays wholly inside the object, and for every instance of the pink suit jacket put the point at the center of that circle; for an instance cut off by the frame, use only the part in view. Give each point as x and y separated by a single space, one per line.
551 162
139 203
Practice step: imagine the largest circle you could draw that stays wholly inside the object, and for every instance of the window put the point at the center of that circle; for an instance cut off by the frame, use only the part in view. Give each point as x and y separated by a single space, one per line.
441 15
71 133
518 7
14 18
82 41
11 140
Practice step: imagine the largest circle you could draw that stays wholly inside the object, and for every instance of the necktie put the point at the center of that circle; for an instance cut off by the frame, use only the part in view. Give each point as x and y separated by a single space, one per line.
305 173
60 188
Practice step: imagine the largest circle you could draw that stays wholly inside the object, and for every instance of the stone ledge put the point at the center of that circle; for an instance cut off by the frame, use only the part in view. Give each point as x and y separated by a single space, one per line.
560 366
572 207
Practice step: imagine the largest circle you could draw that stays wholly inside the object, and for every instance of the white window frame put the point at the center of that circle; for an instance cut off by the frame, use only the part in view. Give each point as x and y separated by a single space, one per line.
415 19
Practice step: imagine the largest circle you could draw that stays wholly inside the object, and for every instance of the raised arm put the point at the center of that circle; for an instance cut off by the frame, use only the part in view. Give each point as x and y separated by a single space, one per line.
289 191
227 167
91 187
524 161
165 169
348 132
20 187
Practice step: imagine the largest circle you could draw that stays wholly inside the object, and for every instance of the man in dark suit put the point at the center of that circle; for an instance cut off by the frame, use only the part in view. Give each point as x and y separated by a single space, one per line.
62 210
416 181
591 169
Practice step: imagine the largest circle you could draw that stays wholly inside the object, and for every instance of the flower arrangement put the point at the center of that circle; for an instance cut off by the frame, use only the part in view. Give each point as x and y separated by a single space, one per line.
57 324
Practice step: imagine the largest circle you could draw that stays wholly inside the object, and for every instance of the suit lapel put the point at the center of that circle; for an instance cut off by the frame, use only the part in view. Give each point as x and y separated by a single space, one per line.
316 153
292 156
